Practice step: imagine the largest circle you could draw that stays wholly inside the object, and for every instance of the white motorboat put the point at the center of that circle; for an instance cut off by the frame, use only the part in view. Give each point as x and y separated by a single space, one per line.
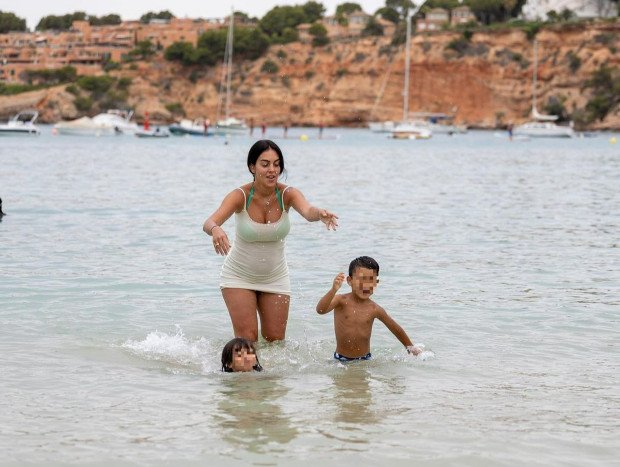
23 123
85 126
229 125
113 122
196 127
119 119
541 126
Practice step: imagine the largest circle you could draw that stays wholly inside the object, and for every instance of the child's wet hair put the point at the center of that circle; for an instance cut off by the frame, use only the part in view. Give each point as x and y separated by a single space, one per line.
363 262
235 345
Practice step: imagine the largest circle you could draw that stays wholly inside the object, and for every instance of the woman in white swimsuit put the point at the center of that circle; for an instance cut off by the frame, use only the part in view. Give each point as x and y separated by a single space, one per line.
255 274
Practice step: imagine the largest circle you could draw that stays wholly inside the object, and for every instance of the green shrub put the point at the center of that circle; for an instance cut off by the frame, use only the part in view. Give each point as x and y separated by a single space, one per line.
123 83
97 85
72 89
83 103
10 89
113 100
459 45
574 62
309 74
112 65
175 108
341 72
269 66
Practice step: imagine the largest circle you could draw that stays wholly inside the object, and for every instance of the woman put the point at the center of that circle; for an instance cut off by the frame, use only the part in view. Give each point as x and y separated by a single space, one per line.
255 274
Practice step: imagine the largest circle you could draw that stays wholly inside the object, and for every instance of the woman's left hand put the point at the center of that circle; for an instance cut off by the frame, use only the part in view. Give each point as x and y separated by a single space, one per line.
329 219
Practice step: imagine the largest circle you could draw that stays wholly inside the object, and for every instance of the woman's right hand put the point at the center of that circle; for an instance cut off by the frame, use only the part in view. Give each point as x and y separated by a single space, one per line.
220 240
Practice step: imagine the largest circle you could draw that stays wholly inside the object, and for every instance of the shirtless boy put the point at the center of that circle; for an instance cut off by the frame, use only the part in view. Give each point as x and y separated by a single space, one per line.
355 312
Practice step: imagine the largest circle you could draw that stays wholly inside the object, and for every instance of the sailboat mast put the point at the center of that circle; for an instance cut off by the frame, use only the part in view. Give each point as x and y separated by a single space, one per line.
229 43
534 111
407 60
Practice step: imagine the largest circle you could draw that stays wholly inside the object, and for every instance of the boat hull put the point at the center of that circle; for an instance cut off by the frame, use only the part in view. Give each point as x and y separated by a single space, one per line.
543 130
8 131
77 131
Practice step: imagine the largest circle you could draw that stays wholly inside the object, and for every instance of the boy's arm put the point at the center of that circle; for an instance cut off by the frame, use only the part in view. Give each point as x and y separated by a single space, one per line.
330 299
399 332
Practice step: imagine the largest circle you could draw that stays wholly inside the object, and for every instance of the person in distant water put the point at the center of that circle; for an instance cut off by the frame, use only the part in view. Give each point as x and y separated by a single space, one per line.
254 276
251 126
510 127
263 128
240 355
206 124
355 312
1 213
285 130
320 130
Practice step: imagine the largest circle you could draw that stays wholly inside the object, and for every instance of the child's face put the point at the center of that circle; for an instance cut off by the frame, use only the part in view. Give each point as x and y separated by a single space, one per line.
243 360
363 282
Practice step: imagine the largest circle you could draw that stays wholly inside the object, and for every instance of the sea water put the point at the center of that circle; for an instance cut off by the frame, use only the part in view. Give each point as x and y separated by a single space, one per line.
501 257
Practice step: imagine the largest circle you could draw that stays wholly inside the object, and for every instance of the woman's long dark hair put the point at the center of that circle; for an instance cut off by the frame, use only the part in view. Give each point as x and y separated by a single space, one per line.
260 147
234 345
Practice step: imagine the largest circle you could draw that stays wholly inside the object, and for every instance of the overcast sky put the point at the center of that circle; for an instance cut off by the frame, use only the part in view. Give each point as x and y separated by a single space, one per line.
34 10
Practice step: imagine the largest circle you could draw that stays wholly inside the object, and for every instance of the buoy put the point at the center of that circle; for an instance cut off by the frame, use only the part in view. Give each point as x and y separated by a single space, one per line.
304 137
612 140
54 131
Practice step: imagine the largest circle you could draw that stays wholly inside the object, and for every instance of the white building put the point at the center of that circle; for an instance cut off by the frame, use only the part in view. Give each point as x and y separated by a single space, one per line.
537 9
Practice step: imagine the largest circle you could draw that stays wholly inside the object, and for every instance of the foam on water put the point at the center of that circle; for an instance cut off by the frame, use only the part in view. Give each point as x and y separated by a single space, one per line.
202 355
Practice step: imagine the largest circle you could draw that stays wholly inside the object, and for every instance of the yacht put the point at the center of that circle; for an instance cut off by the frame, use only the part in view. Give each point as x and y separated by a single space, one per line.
407 129
113 122
541 125
229 125
21 124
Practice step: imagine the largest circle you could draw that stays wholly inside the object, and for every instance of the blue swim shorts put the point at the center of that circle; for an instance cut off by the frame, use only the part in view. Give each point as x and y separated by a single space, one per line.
342 358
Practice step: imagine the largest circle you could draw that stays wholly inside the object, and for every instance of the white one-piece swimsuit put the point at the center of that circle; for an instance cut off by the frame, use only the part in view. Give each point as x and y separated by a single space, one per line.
256 260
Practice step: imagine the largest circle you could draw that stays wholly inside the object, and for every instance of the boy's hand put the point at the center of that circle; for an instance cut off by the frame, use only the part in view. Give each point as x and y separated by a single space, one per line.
338 281
414 349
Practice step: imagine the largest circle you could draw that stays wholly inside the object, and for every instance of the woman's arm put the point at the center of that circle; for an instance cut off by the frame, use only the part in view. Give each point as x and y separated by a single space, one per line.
311 213
233 202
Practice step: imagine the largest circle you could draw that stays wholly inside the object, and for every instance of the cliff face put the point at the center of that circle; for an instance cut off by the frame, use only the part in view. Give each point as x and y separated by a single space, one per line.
487 82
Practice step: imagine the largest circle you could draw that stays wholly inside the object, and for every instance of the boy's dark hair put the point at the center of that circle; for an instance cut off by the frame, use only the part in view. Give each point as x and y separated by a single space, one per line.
260 147
234 345
363 262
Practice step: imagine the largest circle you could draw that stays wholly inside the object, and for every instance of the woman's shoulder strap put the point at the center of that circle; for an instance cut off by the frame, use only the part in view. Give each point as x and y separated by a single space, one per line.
244 198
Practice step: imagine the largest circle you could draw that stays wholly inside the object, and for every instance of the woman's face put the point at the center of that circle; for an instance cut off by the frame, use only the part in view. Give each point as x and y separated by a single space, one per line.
243 360
267 168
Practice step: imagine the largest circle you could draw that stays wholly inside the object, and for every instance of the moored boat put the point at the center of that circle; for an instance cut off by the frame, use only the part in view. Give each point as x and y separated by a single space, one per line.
23 123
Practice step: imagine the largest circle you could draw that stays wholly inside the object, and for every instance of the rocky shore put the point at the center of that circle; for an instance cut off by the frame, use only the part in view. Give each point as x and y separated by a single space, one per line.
485 80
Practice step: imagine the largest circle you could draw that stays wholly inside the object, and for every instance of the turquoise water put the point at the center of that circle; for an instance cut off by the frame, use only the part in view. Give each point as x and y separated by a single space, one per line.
502 258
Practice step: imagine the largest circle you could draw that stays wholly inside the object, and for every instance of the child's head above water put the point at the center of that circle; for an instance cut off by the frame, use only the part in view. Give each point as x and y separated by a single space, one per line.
363 276
363 262
239 354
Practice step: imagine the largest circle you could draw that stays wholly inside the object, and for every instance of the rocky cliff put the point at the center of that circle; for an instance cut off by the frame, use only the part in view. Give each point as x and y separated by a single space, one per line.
485 80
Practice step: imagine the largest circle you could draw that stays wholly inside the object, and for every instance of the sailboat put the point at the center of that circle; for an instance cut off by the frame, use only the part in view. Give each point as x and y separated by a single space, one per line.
407 129
229 125
541 125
